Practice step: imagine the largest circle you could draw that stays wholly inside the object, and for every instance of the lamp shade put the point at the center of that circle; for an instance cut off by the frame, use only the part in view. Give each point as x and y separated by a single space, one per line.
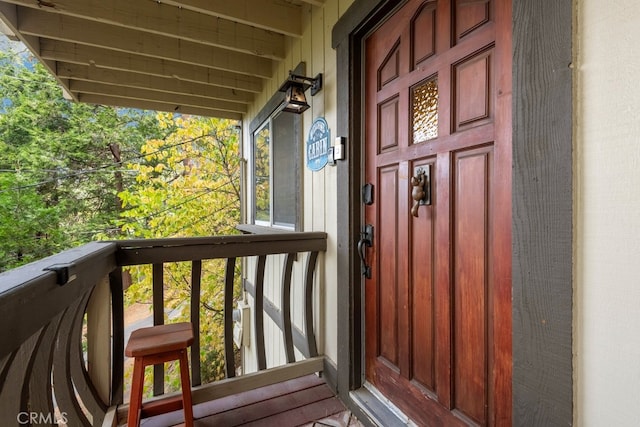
294 99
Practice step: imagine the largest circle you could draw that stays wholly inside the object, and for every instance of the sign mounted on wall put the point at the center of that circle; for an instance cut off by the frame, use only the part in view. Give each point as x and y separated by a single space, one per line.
318 145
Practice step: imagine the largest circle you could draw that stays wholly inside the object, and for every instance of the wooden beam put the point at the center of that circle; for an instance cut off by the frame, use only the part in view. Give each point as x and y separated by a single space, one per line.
9 16
163 19
157 106
4 29
237 100
156 96
59 27
273 15
142 81
146 255
235 245
110 59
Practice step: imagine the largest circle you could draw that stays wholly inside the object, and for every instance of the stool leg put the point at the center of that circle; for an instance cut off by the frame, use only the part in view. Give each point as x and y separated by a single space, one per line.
135 401
186 389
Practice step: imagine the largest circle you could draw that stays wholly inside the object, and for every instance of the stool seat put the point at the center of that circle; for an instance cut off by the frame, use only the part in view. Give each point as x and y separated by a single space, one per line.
159 339
153 346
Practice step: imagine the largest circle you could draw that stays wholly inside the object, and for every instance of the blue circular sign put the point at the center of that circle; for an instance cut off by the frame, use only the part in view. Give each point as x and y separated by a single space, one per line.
318 145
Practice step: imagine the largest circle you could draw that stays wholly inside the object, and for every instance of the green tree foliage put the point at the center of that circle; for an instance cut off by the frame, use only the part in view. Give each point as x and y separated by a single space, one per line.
186 184
60 163
71 173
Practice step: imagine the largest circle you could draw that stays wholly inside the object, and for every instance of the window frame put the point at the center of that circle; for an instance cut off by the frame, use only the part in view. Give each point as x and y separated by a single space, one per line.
263 120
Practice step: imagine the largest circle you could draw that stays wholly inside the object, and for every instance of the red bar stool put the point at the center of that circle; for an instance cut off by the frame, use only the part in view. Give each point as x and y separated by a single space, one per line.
152 346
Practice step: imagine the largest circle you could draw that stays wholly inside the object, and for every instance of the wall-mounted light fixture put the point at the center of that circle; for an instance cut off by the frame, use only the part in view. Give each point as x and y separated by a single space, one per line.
294 88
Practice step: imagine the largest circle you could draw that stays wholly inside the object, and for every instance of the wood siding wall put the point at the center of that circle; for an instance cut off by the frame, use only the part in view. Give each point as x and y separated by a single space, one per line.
319 211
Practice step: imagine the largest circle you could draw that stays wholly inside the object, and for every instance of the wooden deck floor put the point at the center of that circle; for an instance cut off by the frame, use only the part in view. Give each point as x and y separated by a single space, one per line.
305 401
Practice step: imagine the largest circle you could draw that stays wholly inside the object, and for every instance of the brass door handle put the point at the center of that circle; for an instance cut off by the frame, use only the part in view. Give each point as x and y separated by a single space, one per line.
421 188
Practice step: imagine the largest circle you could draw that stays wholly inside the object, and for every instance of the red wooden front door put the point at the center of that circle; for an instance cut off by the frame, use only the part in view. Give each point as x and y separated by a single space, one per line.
438 303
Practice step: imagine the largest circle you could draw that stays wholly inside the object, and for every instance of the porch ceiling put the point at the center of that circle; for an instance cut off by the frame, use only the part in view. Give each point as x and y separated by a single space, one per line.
205 57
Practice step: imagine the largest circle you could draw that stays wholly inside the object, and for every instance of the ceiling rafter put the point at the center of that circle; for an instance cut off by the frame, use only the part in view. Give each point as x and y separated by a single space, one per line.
141 81
56 50
162 19
9 16
156 105
206 57
273 15
59 27
94 88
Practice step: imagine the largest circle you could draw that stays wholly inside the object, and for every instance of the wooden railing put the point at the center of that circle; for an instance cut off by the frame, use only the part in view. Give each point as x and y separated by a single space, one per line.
46 374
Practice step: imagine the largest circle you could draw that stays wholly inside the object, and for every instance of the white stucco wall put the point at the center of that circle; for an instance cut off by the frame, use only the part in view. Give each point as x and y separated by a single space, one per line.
607 223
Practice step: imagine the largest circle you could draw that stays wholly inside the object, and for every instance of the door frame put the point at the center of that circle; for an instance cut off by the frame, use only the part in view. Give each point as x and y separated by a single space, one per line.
542 206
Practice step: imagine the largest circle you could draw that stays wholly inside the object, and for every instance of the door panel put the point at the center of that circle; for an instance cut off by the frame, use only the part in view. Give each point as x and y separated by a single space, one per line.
471 282
469 15
388 124
472 86
436 313
422 250
388 267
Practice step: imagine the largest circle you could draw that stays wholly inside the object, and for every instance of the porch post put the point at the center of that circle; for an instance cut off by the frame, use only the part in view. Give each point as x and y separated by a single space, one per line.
542 213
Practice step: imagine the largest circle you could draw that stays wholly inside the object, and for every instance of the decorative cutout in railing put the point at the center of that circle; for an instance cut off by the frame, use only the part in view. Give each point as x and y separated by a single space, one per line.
41 358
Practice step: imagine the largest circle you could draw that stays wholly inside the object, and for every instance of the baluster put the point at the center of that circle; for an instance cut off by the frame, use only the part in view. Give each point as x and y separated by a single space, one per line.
286 307
259 313
229 360
196 280
158 319
117 344
308 303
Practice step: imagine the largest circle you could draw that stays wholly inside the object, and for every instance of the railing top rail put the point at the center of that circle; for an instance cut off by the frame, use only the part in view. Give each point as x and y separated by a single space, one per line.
220 240
39 273
153 251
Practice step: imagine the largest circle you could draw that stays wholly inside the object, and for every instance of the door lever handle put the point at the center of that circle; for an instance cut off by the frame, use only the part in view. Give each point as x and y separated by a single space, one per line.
366 240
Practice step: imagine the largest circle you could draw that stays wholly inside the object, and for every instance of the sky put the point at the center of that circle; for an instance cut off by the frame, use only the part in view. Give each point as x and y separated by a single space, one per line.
7 45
